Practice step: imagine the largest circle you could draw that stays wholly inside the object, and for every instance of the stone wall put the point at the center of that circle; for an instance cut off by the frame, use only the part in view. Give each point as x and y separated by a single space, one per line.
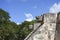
35 31
49 30
57 36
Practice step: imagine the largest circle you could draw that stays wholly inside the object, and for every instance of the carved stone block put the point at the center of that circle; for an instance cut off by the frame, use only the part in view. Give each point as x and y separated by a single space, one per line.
39 18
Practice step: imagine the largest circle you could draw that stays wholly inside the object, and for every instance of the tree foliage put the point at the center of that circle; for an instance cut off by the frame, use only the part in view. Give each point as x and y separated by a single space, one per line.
10 30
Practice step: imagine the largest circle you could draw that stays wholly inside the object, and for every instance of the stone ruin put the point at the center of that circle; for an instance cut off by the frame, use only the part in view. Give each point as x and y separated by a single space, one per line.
46 28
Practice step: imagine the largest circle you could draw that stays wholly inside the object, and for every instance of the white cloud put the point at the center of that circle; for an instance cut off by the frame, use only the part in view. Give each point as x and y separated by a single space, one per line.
17 23
55 8
29 17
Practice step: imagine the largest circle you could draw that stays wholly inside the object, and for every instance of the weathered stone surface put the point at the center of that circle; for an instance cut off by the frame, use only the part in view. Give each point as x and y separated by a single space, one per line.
51 18
39 18
57 36
58 18
50 30
34 32
36 25
47 32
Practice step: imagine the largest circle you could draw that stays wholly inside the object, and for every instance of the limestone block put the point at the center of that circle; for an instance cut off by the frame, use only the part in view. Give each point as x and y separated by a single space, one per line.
48 30
50 18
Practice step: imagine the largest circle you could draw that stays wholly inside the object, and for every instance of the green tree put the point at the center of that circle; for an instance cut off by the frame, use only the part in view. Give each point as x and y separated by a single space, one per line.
24 29
10 30
4 18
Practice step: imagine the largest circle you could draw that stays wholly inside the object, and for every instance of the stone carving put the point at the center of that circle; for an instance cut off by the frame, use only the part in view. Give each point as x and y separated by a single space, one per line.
39 18
49 30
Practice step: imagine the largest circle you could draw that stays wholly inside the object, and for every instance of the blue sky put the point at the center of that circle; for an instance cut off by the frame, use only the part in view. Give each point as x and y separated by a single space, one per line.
19 9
